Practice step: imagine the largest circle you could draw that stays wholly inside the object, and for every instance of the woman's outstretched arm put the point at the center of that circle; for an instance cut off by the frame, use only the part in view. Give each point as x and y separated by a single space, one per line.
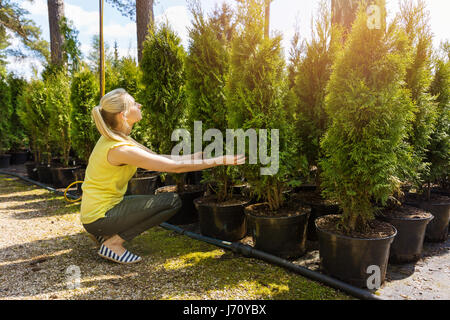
153 162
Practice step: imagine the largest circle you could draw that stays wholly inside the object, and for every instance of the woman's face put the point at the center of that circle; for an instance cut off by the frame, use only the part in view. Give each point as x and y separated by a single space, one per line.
134 114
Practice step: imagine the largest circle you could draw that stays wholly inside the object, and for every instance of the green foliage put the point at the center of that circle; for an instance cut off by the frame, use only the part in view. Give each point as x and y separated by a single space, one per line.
163 79
163 97
71 47
415 22
84 95
439 151
370 113
312 73
5 115
19 139
207 67
256 93
13 18
58 103
35 117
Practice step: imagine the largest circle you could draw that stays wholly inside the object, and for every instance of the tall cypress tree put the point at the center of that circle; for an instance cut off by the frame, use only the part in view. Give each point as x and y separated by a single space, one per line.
415 22
207 67
370 113
256 92
163 96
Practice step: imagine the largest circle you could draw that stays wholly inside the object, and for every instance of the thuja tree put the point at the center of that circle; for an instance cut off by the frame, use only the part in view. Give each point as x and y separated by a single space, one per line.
58 102
163 96
5 115
255 94
313 71
19 139
35 116
370 113
415 21
439 150
83 97
207 67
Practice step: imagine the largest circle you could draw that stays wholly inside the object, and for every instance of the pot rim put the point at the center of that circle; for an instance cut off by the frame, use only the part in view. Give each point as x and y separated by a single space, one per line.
352 238
247 201
308 211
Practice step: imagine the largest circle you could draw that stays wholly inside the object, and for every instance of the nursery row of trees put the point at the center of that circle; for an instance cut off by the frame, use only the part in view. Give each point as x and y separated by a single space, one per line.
360 111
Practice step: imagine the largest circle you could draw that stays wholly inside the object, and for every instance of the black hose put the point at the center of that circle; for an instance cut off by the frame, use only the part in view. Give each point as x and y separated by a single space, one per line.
249 251
246 251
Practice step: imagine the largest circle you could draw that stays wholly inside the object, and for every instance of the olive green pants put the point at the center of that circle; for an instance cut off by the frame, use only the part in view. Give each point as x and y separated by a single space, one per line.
136 214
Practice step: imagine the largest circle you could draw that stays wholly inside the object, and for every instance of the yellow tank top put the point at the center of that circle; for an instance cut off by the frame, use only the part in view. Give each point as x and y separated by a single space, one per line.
104 185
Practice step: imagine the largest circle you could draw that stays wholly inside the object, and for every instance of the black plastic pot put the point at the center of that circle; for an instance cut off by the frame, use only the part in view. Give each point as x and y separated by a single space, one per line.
79 176
408 244
32 171
437 229
281 236
348 259
188 213
225 222
45 174
18 158
318 210
5 160
63 177
143 185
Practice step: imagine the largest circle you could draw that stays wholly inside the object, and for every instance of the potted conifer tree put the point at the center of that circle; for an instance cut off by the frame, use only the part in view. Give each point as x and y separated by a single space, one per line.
415 21
363 148
19 139
58 101
28 115
83 133
164 109
256 92
5 126
221 214
410 222
312 71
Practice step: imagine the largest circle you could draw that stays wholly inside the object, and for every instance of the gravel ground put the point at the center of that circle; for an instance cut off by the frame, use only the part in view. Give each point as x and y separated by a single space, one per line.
46 254
39 233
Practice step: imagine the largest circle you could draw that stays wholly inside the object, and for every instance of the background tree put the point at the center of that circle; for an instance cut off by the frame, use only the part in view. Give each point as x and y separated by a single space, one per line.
19 139
29 102
414 19
13 18
140 11
55 17
438 154
207 67
313 71
84 95
35 116
5 115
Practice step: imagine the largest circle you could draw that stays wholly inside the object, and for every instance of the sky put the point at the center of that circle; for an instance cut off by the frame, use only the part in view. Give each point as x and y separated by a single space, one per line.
286 16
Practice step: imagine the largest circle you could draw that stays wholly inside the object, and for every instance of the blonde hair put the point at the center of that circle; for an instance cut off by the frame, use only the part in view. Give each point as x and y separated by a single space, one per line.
105 116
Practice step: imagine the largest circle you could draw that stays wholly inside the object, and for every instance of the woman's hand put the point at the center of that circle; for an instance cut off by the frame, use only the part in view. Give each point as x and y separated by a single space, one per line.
230 160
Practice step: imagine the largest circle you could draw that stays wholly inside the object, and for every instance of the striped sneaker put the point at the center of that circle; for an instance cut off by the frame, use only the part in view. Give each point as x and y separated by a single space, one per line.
97 239
126 258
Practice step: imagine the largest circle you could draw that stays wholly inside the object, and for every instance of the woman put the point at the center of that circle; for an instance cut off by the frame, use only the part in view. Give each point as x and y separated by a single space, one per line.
105 213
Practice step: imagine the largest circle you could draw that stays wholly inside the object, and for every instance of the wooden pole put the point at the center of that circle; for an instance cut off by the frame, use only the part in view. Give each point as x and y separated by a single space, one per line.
102 52
267 22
